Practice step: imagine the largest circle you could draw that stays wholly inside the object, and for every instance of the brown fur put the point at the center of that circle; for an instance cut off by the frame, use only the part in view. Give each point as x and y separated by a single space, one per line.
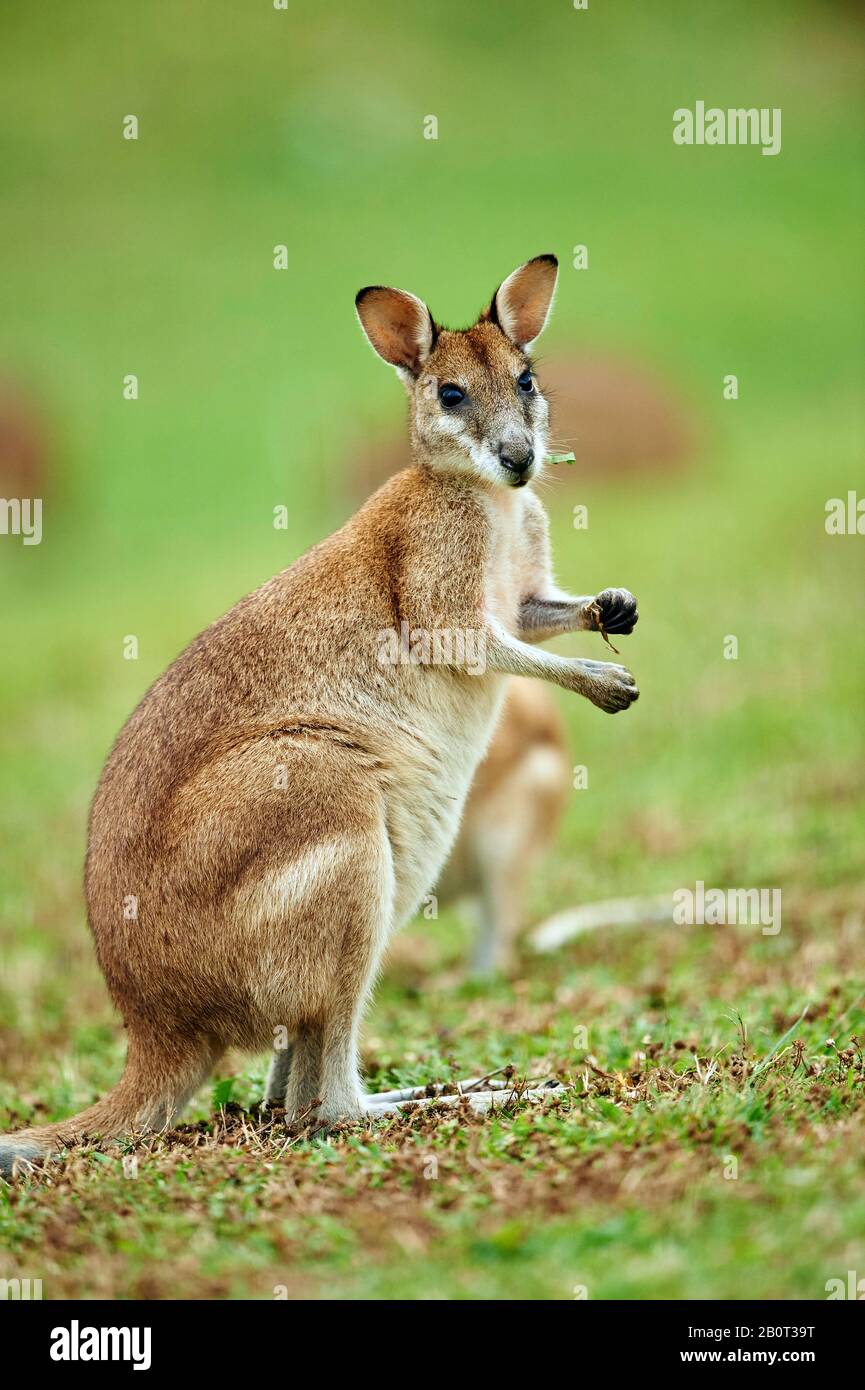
281 799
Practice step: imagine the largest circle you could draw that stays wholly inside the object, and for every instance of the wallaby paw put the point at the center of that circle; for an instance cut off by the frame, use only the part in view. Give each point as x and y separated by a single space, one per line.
618 609
615 690
18 1157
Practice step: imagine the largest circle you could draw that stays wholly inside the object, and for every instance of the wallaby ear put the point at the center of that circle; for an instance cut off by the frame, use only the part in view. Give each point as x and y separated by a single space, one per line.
398 324
520 306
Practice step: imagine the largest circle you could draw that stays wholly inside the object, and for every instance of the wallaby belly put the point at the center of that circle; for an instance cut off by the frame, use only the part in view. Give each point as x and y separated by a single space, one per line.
432 765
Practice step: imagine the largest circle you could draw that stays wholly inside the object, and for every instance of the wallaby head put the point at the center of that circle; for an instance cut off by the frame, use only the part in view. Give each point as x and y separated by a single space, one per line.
475 403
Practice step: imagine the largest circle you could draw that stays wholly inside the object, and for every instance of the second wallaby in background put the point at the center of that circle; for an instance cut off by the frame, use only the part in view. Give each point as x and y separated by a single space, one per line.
286 793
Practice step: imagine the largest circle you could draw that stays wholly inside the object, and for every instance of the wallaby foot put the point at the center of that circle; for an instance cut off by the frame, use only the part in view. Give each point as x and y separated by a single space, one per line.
160 1076
18 1156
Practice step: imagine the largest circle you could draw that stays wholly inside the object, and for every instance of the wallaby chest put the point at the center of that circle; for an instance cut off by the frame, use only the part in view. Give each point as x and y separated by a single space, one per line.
452 714
515 553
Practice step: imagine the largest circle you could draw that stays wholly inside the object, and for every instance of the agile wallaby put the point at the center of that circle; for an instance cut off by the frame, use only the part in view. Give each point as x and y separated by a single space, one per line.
287 791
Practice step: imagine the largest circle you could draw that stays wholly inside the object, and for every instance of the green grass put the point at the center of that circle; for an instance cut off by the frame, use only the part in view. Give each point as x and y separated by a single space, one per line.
155 257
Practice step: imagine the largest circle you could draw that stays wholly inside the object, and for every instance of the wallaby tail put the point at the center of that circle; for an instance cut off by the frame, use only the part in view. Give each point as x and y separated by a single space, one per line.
617 912
157 1082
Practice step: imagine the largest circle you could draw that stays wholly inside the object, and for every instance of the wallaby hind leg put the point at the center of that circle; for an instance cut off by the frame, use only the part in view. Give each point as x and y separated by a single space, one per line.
304 1073
341 1088
322 1065
276 1085
500 912
295 1076
345 916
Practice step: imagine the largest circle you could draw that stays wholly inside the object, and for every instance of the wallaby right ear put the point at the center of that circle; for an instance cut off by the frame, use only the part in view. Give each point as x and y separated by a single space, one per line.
398 324
522 303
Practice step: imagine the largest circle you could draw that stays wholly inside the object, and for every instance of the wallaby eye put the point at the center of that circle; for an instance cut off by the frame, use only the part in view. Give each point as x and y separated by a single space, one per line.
451 395
525 382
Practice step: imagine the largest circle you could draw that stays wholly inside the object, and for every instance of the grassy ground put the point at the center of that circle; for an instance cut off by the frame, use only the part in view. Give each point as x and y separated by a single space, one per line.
155 257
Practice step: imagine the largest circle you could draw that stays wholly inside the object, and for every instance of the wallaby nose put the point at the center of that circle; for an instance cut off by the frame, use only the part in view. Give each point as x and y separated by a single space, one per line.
516 457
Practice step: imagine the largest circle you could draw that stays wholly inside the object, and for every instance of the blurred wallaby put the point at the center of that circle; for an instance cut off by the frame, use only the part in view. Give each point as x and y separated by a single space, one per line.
511 814
286 793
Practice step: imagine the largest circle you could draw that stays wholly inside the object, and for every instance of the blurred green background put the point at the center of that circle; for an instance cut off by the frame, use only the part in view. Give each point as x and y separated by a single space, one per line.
304 127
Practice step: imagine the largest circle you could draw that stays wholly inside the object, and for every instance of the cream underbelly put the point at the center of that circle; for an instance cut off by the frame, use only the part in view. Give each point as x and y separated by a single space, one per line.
424 802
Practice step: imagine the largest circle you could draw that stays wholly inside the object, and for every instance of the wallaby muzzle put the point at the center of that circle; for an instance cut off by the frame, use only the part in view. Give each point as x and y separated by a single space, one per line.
517 457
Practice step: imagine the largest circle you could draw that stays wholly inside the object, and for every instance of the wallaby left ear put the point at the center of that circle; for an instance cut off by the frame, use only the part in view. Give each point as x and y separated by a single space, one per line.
521 305
398 325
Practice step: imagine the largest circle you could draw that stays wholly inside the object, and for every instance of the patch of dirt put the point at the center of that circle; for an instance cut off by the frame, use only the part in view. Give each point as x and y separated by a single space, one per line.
25 450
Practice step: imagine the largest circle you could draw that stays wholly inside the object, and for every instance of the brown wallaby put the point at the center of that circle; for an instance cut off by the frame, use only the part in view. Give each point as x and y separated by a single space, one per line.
286 793
515 803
